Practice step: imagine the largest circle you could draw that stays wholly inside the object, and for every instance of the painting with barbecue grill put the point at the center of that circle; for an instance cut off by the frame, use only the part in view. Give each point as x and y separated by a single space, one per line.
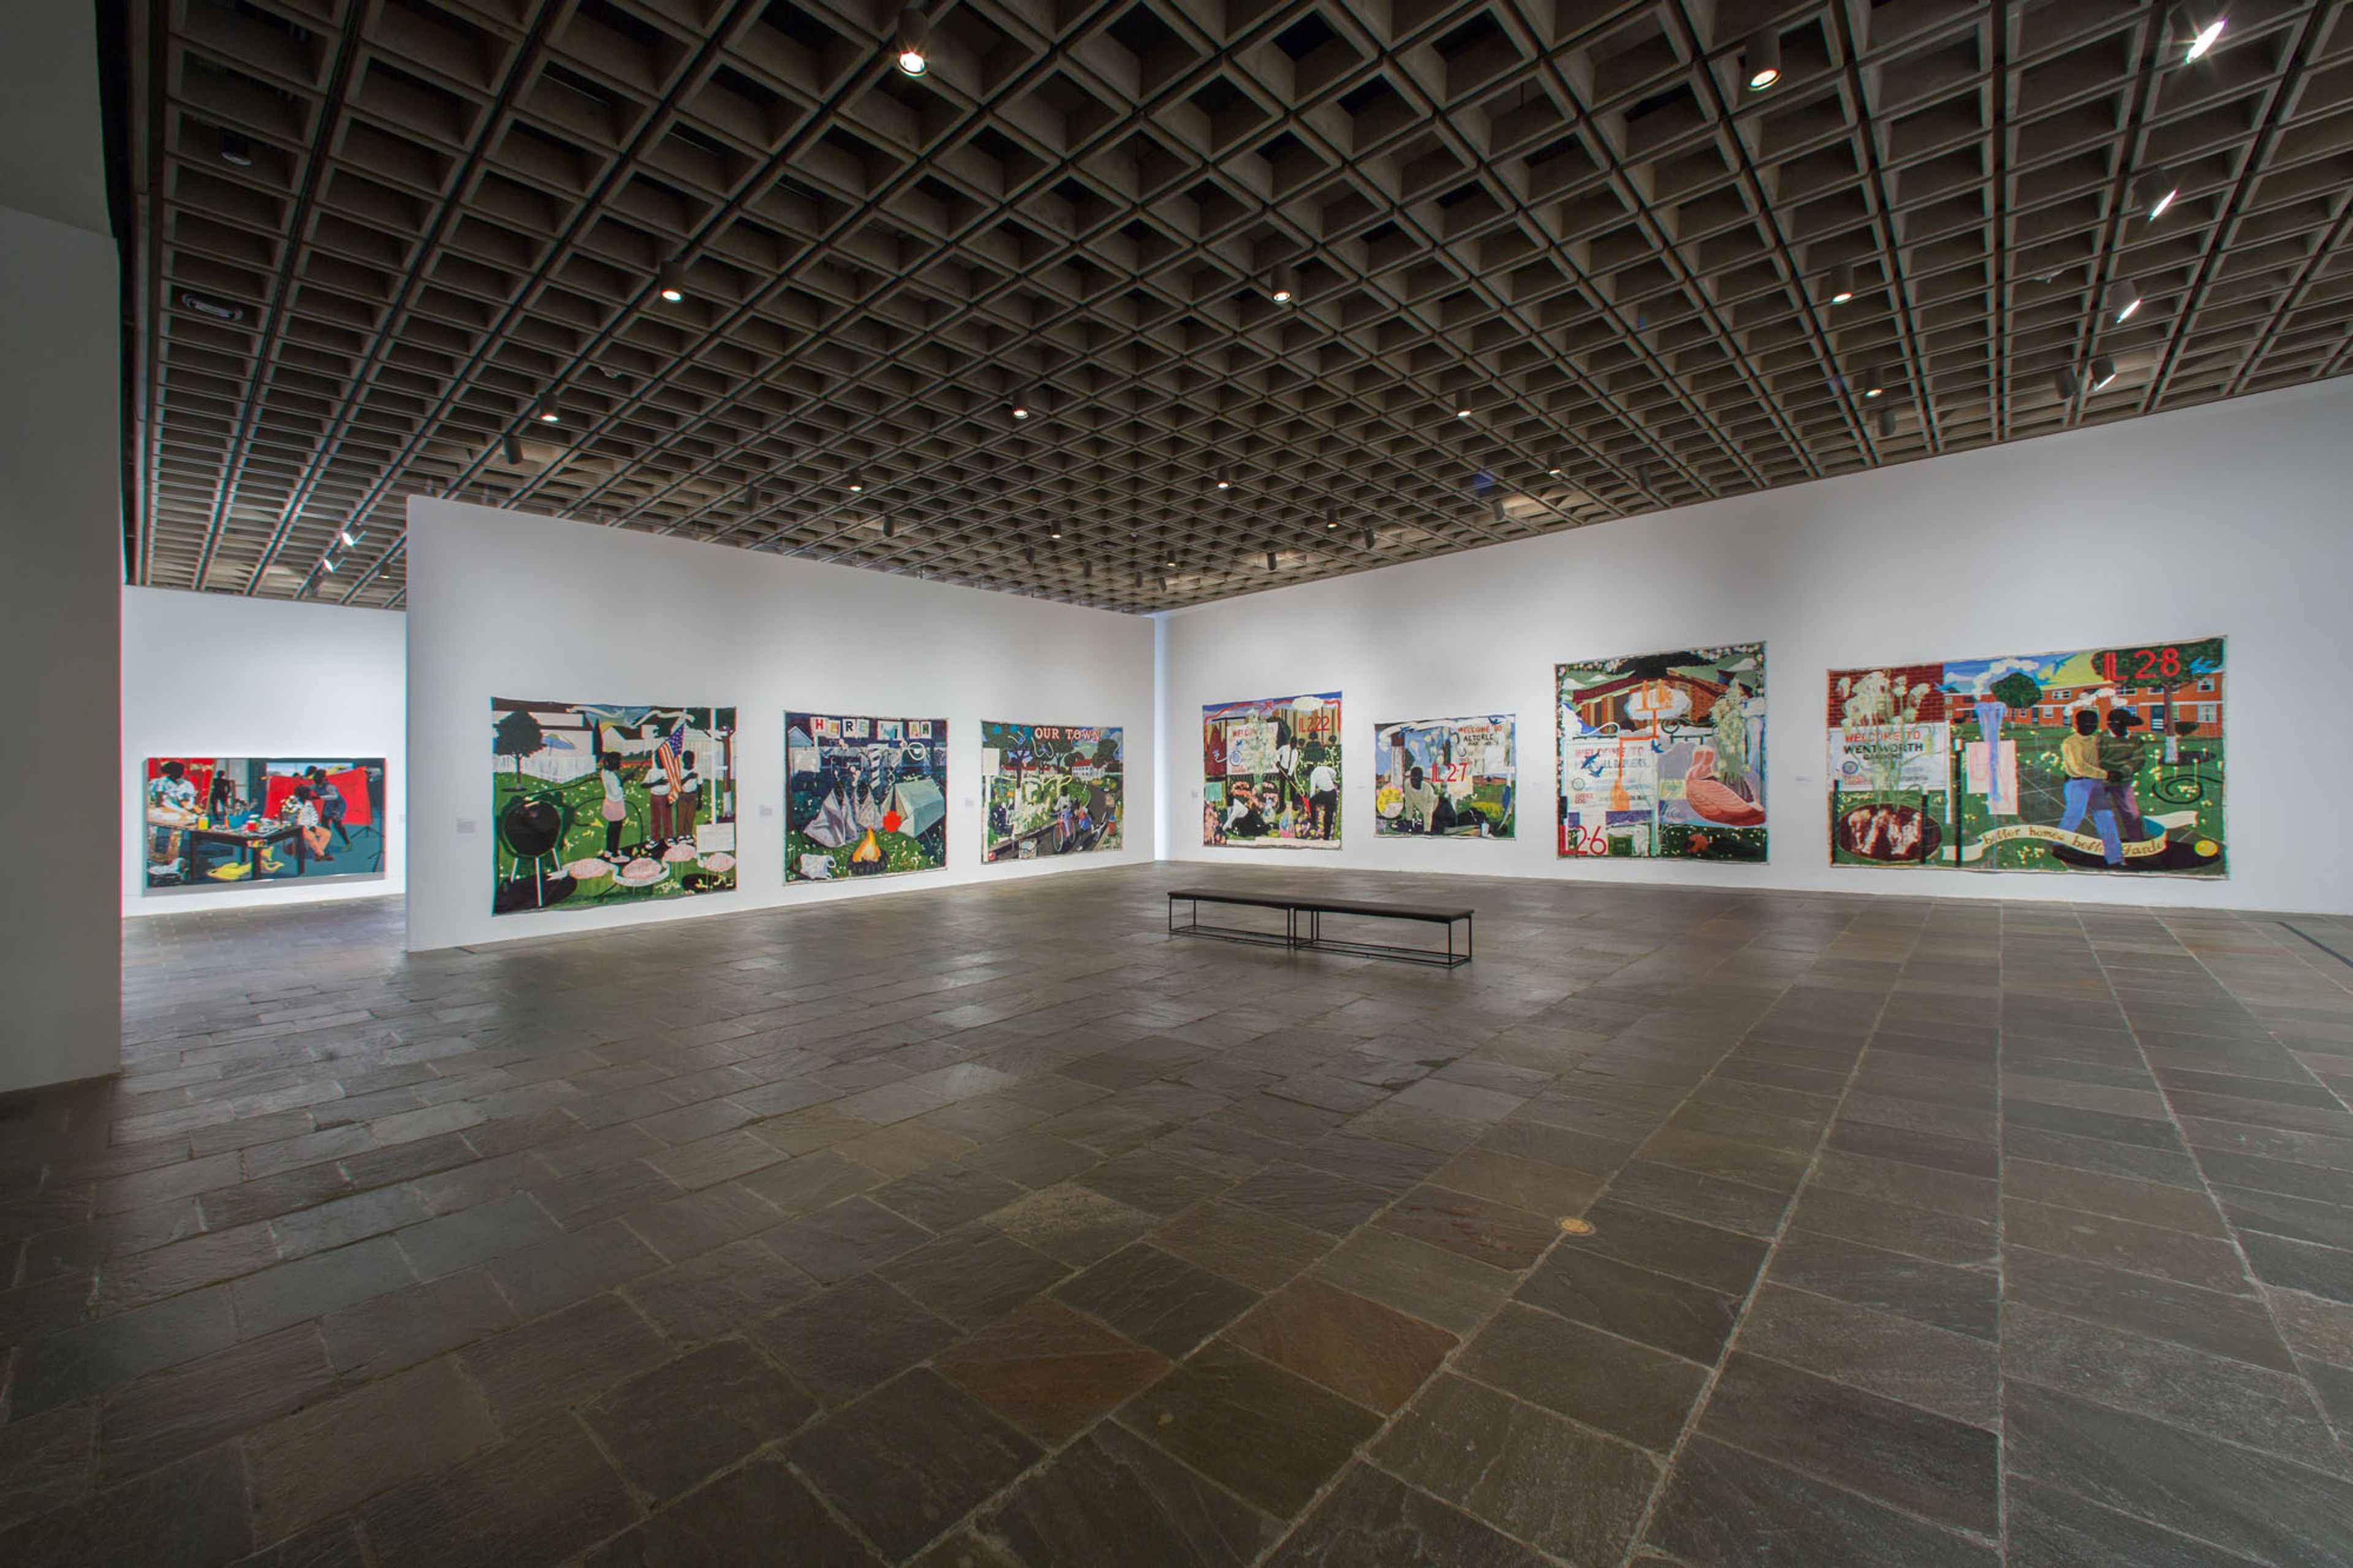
1270 773
1445 778
595 804
864 796
228 822
2102 759
1664 754
1051 790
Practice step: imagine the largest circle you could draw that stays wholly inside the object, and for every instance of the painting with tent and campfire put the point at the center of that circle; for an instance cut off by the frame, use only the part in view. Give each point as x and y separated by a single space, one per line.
594 803
1664 754
2102 759
228 822
864 796
1051 790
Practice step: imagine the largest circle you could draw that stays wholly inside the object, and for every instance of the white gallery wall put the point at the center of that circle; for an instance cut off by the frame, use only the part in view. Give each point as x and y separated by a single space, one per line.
501 604
60 548
2234 519
221 675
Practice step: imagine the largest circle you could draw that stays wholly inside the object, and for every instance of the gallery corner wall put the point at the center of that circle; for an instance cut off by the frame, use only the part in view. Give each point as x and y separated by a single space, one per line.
223 675
506 605
2233 520
62 552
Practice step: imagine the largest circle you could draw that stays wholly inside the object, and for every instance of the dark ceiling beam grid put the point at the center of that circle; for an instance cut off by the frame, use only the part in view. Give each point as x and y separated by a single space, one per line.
1446 287
1852 44
1112 134
2280 93
277 307
692 69
522 68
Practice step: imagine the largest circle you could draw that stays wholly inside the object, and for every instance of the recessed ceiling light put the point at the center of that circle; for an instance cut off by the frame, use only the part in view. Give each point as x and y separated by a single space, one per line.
1224 483
2123 299
2104 371
1762 63
914 42
671 281
1840 287
236 149
2153 191
2199 28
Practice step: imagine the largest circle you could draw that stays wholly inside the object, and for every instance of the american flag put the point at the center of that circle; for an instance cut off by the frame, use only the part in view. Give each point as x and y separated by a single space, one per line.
669 754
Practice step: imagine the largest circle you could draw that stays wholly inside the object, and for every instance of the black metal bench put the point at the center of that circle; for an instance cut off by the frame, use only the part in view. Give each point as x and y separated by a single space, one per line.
1303 924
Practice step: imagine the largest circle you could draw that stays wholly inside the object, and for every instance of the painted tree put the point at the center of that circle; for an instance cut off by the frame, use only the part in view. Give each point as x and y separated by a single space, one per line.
2017 690
517 735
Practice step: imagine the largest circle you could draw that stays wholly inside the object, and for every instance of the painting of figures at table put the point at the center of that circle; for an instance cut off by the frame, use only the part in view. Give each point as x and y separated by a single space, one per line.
594 805
224 822
864 796
1663 755
1270 773
2104 759
1050 790
1445 778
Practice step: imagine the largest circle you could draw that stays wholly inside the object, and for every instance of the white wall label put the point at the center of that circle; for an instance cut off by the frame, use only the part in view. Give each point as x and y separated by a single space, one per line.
767 810
465 827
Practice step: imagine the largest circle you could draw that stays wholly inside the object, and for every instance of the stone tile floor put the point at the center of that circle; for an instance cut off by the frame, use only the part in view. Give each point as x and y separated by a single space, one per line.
991 1225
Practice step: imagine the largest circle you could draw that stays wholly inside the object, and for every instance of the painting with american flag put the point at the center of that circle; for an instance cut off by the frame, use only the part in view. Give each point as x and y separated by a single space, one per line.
595 804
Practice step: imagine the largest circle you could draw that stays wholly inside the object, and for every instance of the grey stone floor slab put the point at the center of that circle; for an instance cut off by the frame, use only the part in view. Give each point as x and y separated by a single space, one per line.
991 1227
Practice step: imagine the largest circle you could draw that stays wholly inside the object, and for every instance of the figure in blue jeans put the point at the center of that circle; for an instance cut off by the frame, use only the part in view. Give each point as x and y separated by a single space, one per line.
2087 787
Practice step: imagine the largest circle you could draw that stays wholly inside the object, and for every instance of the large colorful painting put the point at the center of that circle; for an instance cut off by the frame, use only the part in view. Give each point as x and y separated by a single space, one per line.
226 822
1270 773
594 804
1664 754
864 796
1051 790
2105 759
1446 778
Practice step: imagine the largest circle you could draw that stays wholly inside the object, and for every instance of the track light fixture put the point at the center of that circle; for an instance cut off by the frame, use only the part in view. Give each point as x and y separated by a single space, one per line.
1283 285
914 44
2123 298
1331 518
2063 383
2198 28
857 482
547 412
671 281
890 527
236 149
1225 482
1054 531
511 448
2152 192
1873 383
1368 536
1270 561
2104 371
1022 405
1886 421
327 564
1761 65
1842 283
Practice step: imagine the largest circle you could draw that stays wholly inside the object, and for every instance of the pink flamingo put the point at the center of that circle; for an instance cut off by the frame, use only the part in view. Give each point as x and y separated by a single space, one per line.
1712 798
